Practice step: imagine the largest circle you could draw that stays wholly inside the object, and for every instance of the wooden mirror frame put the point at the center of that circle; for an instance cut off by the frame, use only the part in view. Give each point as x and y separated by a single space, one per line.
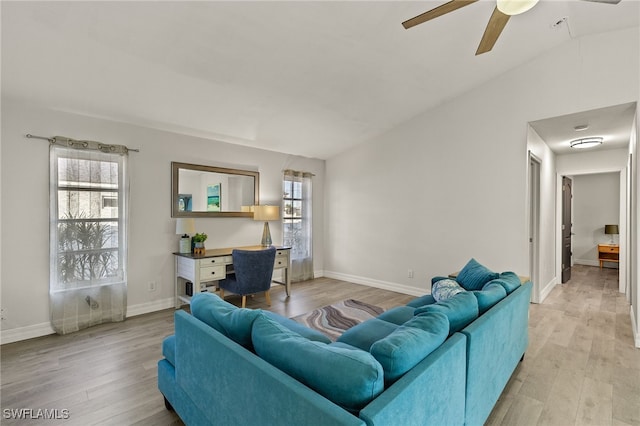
175 168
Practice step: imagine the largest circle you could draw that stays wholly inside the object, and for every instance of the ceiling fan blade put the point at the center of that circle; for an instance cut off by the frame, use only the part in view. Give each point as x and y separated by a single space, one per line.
438 11
495 26
604 1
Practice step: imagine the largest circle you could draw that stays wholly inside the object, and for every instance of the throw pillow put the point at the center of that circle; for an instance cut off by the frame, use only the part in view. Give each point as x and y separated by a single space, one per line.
403 349
347 376
490 294
444 289
474 275
233 322
509 280
461 310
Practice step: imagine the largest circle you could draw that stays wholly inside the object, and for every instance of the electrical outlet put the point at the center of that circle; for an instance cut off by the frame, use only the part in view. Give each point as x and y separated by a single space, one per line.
3 314
152 286
410 273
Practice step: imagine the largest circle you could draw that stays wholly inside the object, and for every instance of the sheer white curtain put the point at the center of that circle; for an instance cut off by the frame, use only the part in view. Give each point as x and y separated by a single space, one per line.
88 234
297 221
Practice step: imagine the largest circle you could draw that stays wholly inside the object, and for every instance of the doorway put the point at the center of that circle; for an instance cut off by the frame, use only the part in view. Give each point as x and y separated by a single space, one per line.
534 222
566 228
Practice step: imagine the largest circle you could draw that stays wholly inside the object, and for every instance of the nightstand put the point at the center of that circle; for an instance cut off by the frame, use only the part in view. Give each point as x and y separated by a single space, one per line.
608 253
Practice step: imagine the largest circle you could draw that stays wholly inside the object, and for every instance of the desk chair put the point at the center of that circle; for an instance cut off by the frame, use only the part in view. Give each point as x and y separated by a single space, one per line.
253 270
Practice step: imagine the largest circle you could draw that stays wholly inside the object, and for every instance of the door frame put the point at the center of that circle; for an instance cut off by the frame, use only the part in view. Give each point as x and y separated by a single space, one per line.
534 164
623 240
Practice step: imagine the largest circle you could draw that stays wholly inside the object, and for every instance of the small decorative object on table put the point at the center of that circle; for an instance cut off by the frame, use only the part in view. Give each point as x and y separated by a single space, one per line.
198 241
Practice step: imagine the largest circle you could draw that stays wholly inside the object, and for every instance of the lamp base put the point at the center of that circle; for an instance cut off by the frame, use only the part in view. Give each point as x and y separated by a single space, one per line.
266 236
185 245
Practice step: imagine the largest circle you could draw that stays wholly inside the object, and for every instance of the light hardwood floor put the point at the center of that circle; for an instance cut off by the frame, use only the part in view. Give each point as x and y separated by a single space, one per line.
581 367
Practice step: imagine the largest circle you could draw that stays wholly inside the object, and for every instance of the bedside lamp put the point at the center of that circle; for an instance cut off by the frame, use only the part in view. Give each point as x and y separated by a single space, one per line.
611 230
185 227
266 213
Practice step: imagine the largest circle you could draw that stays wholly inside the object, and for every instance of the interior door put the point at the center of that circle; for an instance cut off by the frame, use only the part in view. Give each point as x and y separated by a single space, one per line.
566 229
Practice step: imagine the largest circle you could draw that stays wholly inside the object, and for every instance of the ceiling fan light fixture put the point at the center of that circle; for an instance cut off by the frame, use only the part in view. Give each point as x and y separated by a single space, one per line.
585 143
515 7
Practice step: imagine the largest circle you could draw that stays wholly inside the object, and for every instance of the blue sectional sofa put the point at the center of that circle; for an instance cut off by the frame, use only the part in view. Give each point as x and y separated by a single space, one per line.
419 364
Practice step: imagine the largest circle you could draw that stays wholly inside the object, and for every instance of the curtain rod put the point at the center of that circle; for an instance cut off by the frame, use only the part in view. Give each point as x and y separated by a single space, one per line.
53 140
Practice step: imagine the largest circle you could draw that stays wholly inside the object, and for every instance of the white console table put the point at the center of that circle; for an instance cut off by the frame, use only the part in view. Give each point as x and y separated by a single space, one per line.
205 270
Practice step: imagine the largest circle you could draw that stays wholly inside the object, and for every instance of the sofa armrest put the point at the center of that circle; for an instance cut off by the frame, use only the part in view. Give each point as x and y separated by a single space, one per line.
432 393
233 386
496 342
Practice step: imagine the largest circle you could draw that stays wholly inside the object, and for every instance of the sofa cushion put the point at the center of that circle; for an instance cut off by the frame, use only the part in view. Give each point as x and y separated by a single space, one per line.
301 329
427 299
444 289
169 349
233 322
490 294
461 310
474 275
410 343
398 315
349 377
367 333
509 280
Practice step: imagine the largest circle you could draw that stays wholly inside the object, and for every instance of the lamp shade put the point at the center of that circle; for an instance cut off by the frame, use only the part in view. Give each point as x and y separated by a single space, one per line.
611 229
185 226
265 213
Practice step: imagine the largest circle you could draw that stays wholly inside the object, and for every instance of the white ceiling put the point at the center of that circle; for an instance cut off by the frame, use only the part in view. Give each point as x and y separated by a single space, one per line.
311 78
613 124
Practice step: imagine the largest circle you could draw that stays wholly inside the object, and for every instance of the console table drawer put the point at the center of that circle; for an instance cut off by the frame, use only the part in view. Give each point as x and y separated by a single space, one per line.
210 273
211 261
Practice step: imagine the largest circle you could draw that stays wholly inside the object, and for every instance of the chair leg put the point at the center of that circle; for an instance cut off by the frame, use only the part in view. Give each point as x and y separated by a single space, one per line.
244 301
268 297
221 293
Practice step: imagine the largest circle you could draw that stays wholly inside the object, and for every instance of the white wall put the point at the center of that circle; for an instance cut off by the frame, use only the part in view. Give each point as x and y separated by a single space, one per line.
450 184
25 201
596 202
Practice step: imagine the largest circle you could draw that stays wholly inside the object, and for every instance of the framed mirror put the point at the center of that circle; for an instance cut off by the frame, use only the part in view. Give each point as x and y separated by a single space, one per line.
206 191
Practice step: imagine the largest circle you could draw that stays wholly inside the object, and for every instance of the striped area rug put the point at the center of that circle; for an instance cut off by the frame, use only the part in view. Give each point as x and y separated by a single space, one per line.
333 320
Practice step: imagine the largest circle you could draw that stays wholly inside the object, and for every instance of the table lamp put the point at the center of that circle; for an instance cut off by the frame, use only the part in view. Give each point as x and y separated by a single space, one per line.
266 213
185 227
611 230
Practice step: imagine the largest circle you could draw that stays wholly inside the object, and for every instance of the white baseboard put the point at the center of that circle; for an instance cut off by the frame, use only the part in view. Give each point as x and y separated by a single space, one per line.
44 329
400 288
634 328
587 262
23 333
145 308
546 290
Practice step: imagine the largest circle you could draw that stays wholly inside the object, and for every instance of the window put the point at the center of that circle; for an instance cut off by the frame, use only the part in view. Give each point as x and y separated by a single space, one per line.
296 221
87 226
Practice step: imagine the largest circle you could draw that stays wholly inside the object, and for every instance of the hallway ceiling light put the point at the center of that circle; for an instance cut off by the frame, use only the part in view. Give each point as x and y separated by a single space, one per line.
585 143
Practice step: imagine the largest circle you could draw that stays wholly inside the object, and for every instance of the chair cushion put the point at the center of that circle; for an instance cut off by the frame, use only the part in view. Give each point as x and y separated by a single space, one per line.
509 280
490 294
349 377
301 329
398 315
367 333
444 289
410 343
235 323
474 276
461 310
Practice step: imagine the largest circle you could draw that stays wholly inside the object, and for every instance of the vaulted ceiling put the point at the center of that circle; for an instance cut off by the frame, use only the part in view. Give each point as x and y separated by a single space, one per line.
310 78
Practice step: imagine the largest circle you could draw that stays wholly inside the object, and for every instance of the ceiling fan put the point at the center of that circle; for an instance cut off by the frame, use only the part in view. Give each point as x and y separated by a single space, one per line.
503 11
